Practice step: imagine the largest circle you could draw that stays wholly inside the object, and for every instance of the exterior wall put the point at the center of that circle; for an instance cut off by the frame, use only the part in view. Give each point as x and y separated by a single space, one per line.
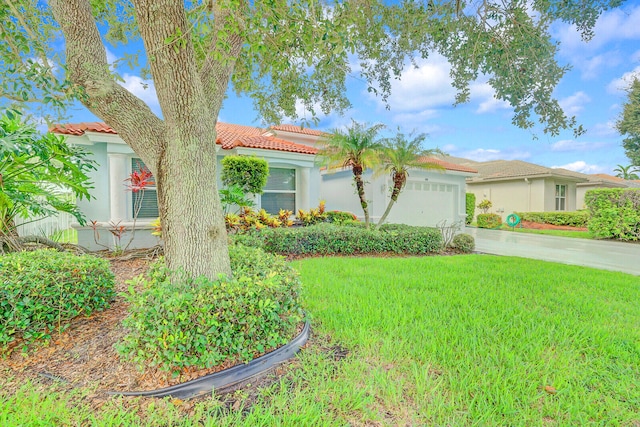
427 199
510 196
530 195
111 203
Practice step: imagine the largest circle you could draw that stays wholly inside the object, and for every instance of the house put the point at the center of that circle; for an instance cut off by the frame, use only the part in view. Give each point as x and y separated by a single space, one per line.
295 182
518 186
601 180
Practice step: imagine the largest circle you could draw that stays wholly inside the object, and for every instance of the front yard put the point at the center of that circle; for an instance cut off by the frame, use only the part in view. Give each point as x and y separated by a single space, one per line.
457 340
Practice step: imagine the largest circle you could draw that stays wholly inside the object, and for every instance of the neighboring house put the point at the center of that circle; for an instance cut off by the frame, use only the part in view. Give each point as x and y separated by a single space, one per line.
517 186
295 182
428 198
601 180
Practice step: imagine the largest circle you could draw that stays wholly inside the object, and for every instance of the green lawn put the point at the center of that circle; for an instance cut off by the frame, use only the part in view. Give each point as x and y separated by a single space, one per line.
561 233
460 340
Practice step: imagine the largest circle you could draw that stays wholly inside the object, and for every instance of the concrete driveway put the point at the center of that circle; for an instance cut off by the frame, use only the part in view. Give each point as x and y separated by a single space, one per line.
606 255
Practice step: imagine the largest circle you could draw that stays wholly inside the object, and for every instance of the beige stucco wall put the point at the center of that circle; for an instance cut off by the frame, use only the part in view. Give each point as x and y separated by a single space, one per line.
520 195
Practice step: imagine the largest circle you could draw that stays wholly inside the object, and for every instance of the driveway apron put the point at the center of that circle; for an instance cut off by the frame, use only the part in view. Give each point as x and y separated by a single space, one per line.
606 255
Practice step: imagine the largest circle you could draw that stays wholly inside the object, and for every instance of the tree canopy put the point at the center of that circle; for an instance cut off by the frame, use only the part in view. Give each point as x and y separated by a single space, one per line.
629 123
283 54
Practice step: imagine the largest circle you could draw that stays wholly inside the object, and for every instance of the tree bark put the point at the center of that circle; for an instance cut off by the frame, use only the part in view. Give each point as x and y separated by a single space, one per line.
397 188
180 151
357 177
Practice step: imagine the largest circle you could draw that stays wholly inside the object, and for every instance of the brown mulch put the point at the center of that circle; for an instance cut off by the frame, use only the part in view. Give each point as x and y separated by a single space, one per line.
540 226
84 355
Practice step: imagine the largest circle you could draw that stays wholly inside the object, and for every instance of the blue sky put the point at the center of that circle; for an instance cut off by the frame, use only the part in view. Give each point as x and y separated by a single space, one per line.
422 100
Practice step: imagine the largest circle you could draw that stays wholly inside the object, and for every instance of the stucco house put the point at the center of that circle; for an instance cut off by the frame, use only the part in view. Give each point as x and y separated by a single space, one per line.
295 182
518 186
601 180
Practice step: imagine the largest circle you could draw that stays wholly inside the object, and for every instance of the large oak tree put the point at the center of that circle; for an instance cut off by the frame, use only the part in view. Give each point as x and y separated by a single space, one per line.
282 53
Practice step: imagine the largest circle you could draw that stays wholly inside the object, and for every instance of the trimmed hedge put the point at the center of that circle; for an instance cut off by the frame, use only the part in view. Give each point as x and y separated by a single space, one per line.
464 242
200 323
571 219
615 213
329 239
470 207
489 220
41 291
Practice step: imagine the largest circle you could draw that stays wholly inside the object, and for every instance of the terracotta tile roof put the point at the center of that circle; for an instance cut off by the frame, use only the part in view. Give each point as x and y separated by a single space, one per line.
498 170
448 165
81 128
265 143
297 129
229 136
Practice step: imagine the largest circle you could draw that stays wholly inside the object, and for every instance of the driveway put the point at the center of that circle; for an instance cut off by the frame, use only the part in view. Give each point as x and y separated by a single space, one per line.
606 255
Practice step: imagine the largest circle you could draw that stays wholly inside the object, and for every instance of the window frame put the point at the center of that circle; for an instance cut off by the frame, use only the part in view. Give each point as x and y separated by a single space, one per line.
296 180
561 199
131 196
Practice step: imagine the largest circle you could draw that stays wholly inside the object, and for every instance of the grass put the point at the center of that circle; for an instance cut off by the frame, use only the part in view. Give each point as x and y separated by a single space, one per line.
70 235
462 341
560 233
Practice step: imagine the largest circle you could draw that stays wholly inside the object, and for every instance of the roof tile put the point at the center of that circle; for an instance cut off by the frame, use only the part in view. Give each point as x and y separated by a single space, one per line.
298 129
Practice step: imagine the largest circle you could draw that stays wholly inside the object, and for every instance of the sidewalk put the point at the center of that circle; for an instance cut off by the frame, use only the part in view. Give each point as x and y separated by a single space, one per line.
606 255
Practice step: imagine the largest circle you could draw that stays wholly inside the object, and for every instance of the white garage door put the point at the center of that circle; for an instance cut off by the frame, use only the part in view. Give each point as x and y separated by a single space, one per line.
425 203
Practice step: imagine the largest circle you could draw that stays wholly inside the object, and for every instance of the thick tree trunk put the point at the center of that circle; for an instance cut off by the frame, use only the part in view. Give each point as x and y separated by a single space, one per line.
191 213
179 150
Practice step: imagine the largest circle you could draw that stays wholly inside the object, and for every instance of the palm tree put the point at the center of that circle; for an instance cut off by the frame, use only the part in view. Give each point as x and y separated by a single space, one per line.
627 172
355 148
400 154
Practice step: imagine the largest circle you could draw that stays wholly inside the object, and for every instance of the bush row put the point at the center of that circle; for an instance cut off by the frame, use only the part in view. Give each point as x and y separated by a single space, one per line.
470 207
185 322
615 213
40 291
329 239
489 220
571 219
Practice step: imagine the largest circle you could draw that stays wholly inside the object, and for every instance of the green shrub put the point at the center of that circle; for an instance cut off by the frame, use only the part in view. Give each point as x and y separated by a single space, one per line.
464 243
489 220
571 219
250 173
339 217
326 239
615 213
470 207
200 323
40 291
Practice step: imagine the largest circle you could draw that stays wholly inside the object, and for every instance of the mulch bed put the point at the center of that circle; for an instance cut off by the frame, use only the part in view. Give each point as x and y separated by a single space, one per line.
84 355
540 226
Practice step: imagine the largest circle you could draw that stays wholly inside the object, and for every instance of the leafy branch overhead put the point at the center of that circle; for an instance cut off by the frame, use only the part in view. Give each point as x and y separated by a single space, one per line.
289 56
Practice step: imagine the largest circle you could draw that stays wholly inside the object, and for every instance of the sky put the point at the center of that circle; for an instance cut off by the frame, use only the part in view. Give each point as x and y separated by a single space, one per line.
481 130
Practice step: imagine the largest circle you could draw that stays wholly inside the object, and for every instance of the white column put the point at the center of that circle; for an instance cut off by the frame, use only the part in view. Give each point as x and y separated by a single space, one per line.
304 188
118 198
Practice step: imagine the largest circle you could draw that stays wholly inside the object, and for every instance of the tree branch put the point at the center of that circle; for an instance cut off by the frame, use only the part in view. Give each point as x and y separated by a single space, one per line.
88 68
215 74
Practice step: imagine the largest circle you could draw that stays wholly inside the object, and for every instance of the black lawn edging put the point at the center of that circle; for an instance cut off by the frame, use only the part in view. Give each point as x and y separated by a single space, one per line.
228 377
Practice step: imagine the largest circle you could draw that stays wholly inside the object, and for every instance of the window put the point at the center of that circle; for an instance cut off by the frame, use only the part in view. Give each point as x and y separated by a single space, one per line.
145 202
280 191
561 197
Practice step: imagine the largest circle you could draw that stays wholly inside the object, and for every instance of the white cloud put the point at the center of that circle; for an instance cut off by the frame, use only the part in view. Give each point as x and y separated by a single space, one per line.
607 129
616 24
573 104
487 154
488 103
582 167
573 145
143 89
426 86
619 24
635 56
622 84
